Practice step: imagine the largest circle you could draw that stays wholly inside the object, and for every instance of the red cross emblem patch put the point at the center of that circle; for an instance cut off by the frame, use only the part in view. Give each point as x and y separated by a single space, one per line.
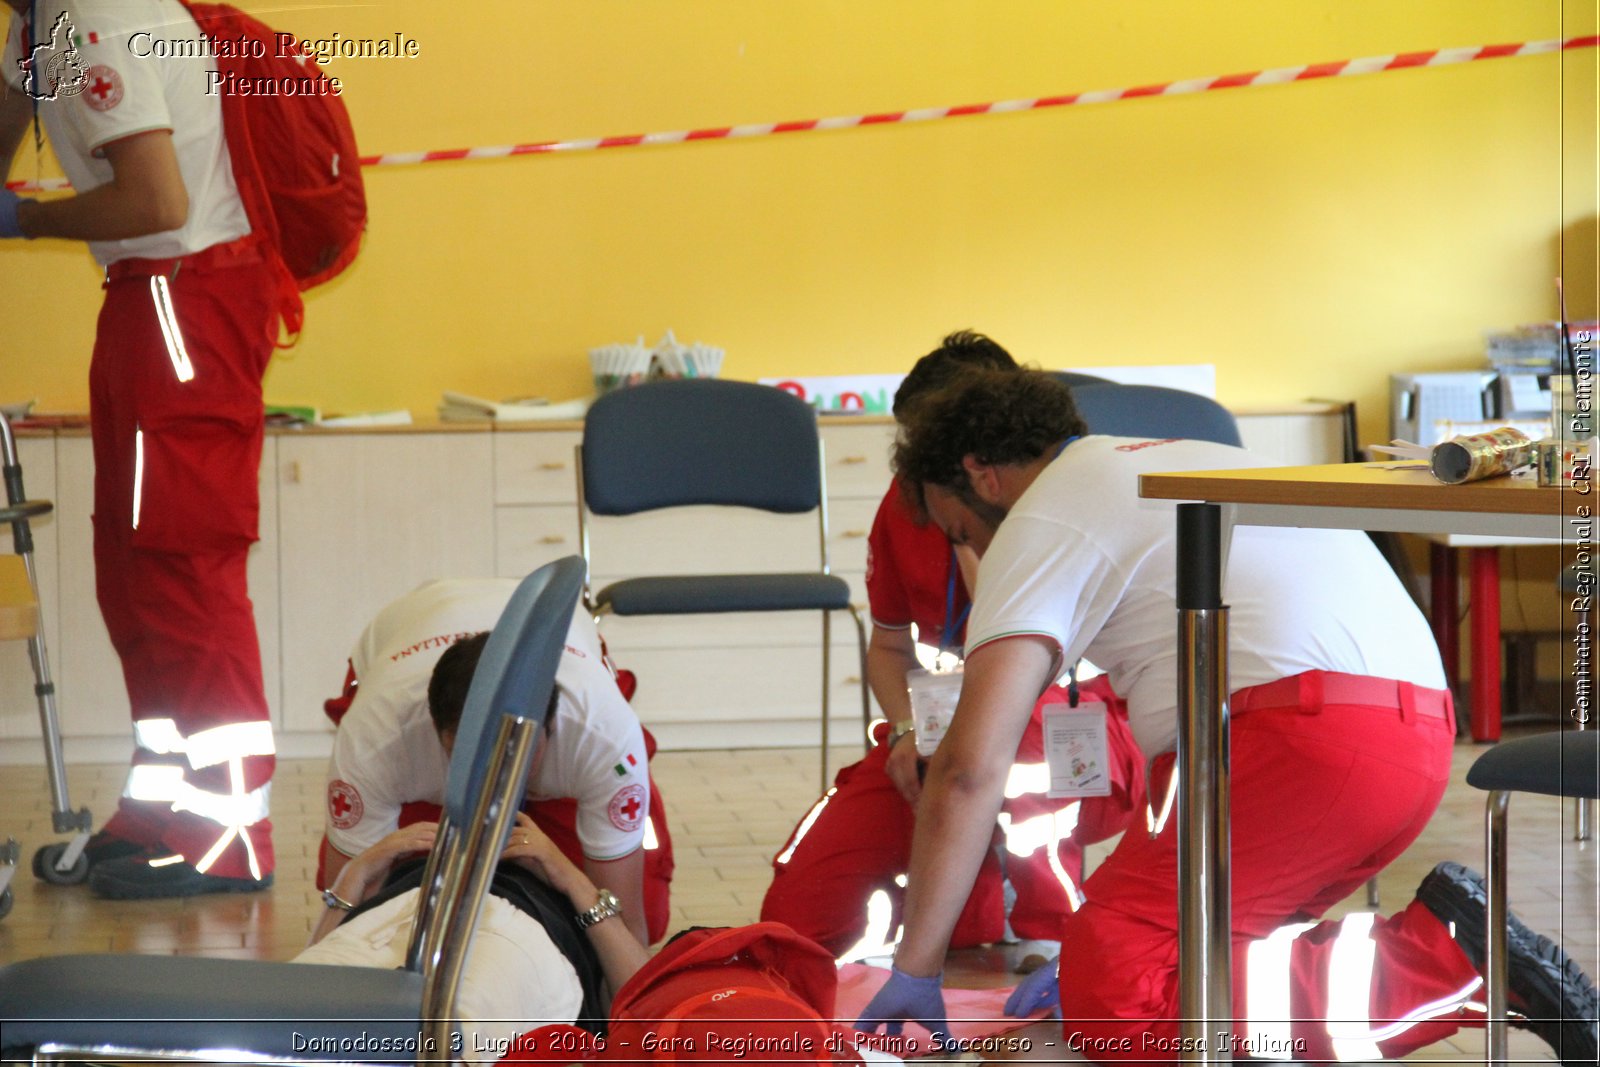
344 804
627 807
102 90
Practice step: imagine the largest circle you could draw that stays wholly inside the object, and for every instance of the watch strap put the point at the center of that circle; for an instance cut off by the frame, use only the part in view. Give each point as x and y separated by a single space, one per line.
604 908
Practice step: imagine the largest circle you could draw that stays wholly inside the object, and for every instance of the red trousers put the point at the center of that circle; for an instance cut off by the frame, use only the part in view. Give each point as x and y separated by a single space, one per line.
1324 795
175 407
856 842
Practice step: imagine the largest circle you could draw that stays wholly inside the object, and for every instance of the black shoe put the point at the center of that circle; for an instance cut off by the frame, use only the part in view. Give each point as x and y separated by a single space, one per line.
140 878
1547 987
103 847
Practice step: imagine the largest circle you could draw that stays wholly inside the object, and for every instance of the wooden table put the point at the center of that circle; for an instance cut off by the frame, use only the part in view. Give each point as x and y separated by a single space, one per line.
1353 496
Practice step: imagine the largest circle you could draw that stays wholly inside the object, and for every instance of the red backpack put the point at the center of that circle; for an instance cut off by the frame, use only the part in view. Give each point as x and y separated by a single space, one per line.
750 994
294 156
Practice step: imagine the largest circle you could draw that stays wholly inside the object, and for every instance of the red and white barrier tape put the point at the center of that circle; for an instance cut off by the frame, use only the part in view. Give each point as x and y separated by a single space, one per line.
1278 76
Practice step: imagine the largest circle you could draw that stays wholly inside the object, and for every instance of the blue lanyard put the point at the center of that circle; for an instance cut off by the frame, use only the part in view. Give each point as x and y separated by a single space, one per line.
947 636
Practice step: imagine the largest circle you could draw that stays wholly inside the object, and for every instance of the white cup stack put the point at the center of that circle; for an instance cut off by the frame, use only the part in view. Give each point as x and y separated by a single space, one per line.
674 360
618 365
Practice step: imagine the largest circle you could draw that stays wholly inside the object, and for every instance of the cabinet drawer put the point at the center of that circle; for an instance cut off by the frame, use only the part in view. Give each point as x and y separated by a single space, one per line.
797 630
748 686
702 540
849 523
857 459
528 536
535 467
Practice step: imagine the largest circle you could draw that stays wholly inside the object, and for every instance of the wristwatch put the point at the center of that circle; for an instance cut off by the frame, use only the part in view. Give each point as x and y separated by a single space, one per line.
901 728
334 900
604 908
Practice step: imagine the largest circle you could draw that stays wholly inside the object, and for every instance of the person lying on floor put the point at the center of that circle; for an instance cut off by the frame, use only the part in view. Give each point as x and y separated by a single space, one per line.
550 946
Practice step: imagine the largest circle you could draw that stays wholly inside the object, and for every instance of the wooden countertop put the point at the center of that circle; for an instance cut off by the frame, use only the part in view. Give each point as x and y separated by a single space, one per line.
432 424
1354 485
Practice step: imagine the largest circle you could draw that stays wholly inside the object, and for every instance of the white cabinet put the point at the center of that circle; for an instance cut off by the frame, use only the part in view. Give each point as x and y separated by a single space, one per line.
352 519
363 518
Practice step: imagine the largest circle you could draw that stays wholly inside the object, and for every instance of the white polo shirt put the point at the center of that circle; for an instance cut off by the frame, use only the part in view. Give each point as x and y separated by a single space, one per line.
386 753
1084 561
126 91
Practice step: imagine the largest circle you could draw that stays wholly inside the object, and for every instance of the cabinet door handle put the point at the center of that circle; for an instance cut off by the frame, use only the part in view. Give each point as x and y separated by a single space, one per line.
854 679
552 539
291 472
853 535
552 465
851 461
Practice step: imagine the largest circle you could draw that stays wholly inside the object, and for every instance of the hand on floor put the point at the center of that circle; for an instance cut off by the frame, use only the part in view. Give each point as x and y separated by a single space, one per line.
1040 990
905 996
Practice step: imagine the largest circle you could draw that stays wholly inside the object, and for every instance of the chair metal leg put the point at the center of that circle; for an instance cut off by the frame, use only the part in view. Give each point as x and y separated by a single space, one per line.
1495 968
866 693
1372 892
827 663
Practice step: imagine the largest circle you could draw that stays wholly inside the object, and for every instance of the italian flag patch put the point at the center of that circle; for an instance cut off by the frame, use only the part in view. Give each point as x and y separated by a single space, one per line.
621 769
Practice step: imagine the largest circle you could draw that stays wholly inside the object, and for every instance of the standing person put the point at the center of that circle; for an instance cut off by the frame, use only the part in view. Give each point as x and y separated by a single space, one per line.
183 339
590 788
854 843
1341 741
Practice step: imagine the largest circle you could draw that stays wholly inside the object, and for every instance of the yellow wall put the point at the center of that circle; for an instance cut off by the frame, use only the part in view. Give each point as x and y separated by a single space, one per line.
1307 239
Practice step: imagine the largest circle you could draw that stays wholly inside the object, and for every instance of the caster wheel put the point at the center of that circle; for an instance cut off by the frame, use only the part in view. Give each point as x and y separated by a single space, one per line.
44 866
6 900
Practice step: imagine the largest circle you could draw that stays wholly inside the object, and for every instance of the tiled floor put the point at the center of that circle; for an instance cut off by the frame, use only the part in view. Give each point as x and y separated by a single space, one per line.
730 811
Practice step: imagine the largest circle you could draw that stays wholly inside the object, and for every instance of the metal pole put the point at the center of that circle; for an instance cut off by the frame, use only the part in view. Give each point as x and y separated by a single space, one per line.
1495 937
1204 906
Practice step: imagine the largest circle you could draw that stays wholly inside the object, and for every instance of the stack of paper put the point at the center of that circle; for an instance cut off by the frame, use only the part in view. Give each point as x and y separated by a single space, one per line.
459 407
398 417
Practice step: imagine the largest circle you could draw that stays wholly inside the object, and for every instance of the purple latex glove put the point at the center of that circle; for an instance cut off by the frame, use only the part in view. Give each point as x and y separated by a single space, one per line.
903 997
1041 989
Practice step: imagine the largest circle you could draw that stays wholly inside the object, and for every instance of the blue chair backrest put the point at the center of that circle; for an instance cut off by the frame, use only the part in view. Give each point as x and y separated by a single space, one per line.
700 441
1074 379
515 675
1155 411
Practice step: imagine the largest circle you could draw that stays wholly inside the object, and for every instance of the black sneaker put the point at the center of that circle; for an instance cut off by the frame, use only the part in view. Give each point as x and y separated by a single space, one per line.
142 878
104 847
1548 988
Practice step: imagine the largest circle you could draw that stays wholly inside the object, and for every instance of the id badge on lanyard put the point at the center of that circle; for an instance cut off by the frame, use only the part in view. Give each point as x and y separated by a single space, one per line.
1076 750
934 695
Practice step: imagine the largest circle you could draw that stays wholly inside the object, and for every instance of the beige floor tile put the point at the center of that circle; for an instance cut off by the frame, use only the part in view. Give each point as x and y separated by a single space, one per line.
731 811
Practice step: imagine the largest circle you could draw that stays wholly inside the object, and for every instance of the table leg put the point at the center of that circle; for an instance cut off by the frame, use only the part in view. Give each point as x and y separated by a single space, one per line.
1446 611
1205 919
1485 626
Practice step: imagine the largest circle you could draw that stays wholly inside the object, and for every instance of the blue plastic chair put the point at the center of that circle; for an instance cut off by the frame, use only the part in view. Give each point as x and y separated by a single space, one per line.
684 442
1155 410
115 1006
